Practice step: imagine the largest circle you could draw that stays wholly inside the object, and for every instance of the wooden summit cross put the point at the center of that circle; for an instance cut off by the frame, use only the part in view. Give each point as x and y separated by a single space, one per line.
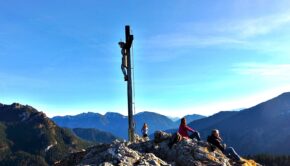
126 69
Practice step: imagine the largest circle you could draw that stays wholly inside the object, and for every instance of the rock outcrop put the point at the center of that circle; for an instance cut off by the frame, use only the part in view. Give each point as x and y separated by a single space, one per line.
157 152
117 153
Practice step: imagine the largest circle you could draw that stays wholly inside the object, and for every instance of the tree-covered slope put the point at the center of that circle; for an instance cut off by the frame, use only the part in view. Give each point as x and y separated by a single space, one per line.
26 134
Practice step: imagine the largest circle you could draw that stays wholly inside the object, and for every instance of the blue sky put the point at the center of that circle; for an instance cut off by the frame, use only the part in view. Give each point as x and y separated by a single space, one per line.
202 57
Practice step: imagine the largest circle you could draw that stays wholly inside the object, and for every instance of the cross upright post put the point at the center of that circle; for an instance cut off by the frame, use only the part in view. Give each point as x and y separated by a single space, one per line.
127 71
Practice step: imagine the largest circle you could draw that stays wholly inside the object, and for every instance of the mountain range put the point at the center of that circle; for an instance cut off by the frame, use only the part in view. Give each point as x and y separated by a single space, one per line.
29 137
117 124
94 135
264 128
190 118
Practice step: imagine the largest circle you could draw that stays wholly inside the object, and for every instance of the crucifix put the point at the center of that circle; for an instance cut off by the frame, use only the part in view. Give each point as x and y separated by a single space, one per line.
126 69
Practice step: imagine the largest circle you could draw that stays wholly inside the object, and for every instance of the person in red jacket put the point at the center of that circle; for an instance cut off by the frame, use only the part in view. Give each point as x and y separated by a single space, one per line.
184 129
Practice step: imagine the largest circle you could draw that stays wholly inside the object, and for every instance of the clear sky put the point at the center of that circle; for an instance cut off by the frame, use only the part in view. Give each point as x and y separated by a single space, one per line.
62 57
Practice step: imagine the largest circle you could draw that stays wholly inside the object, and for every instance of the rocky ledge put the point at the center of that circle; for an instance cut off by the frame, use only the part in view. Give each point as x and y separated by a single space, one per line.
157 152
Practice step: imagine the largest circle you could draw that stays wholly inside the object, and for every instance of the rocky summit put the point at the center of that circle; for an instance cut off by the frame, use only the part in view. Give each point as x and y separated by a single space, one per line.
157 152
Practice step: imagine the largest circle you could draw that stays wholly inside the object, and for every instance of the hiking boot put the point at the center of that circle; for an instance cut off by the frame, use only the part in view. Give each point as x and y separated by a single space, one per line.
241 162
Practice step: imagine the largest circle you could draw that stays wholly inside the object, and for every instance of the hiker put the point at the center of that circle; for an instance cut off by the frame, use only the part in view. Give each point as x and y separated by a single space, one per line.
183 129
215 140
144 130
124 60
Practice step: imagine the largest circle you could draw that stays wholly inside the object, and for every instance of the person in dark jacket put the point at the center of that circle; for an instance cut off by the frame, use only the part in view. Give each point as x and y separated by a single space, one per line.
215 140
183 129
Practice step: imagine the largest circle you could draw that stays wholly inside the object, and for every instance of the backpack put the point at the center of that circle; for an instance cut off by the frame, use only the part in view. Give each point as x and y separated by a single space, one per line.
174 139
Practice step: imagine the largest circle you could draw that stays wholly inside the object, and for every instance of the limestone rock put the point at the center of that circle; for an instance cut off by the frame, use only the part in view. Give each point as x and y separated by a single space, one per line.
117 153
156 152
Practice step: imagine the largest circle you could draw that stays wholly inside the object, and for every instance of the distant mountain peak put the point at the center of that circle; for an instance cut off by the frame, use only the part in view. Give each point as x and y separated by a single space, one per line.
18 112
23 128
89 113
147 112
285 95
113 114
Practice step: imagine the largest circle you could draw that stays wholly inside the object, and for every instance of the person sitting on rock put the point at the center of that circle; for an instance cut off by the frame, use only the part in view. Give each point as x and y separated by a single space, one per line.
144 130
215 140
183 129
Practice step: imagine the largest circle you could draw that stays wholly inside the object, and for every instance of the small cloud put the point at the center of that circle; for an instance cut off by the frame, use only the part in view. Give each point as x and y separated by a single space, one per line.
234 33
189 40
262 26
264 70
